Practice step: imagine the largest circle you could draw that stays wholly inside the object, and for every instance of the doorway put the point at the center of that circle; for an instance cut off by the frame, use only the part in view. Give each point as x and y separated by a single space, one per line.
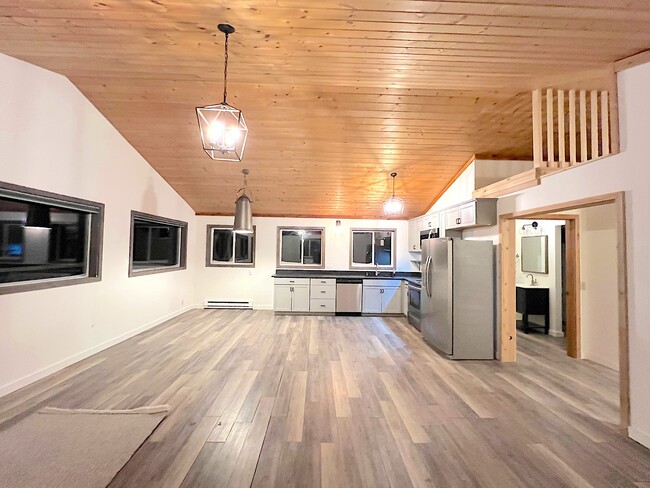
508 259
542 289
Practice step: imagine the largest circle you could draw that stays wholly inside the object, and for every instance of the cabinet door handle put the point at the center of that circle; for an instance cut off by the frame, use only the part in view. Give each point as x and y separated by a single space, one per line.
291 288
291 281
322 305
323 291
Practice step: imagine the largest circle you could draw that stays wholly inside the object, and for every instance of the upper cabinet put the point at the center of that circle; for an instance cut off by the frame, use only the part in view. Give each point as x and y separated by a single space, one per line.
475 213
414 235
431 221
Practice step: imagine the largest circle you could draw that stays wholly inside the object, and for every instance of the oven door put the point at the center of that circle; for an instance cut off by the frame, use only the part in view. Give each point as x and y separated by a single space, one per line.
414 306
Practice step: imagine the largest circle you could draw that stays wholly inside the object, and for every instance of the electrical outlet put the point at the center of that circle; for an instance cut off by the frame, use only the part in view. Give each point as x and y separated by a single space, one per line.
92 326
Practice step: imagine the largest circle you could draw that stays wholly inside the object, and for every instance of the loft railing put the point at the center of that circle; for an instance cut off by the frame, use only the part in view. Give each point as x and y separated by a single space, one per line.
570 127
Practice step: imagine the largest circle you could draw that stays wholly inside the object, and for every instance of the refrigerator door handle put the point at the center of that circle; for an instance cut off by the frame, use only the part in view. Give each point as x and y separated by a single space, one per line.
425 273
428 281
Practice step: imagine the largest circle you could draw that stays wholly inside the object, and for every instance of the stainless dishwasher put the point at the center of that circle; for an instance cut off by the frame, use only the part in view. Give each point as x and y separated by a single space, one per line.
349 293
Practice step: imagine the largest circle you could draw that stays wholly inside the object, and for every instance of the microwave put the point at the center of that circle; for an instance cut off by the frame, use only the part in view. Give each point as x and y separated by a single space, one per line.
429 234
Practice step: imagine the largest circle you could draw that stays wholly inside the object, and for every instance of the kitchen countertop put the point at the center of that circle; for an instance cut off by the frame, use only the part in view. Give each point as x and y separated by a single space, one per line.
411 277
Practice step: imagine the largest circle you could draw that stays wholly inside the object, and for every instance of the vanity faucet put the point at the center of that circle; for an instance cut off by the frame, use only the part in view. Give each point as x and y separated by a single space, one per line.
533 281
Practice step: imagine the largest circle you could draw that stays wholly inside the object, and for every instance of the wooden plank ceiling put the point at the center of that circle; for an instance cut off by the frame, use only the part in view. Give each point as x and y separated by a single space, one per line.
336 94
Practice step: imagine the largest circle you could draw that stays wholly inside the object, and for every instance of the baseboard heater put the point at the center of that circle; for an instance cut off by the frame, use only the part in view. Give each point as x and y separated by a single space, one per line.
242 305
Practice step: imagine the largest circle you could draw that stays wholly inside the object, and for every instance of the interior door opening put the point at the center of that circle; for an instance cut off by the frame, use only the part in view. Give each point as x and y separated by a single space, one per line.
564 298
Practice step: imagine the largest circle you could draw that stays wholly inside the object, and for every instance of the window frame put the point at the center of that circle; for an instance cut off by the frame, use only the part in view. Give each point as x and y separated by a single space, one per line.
281 265
393 250
94 243
182 244
221 264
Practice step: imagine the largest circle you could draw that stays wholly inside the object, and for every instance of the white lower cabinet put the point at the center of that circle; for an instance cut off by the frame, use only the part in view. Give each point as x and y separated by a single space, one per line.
282 298
323 295
371 299
382 297
291 296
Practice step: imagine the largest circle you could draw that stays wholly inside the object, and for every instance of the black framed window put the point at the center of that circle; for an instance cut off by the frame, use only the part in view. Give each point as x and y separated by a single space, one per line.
301 247
228 248
372 248
47 239
158 244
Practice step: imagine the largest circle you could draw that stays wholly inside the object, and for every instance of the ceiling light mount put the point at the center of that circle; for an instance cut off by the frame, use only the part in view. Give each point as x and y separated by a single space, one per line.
223 128
393 206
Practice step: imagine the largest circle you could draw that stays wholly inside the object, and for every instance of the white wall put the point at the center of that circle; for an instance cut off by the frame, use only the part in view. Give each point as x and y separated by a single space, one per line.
551 280
628 171
599 285
53 139
256 284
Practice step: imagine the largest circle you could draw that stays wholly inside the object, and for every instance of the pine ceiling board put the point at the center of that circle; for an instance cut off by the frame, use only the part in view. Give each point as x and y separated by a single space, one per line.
336 96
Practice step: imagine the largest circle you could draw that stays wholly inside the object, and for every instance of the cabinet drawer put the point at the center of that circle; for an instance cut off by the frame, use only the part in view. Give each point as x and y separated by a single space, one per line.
292 281
322 305
323 281
322 291
396 283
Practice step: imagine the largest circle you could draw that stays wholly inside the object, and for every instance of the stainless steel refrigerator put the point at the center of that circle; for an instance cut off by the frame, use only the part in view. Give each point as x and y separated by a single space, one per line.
457 302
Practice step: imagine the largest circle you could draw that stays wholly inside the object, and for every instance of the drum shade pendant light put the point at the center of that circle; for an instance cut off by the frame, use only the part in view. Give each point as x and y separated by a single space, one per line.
393 206
223 128
243 211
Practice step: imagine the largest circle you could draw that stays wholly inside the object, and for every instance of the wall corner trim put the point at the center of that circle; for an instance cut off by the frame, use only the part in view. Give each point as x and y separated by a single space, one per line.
639 436
59 365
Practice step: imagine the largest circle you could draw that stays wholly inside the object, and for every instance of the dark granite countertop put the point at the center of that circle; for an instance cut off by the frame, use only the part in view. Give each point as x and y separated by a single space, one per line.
409 276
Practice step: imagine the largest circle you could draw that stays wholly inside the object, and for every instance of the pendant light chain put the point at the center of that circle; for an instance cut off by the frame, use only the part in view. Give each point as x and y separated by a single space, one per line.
225 70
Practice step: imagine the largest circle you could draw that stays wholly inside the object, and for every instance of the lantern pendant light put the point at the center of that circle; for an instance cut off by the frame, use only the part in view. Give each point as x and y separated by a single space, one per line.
393 206
223 128
243 211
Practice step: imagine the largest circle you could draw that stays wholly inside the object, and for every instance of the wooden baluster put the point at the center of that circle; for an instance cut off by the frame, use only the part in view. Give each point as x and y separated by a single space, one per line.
538 156
550 127
560 129
604 120
594 123
583 126
572 128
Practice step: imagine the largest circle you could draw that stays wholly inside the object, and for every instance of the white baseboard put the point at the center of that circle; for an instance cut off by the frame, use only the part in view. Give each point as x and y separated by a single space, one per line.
262 307
64 363
555 333
641 437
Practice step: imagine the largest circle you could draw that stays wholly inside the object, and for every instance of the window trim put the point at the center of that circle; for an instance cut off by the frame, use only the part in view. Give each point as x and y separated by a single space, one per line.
182 251
220 264
393 249
279 264
95 238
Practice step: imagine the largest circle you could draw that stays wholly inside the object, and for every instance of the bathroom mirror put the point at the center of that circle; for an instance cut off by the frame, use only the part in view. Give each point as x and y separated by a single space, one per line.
534 254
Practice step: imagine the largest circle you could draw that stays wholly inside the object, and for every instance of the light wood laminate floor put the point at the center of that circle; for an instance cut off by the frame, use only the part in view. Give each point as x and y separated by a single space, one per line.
263 400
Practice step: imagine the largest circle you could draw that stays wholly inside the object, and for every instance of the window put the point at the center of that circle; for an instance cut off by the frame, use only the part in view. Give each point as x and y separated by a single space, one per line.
301 247
228 248
371 248
47 240
158 244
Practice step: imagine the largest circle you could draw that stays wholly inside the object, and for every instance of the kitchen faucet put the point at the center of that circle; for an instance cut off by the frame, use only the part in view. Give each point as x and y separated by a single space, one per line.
533 281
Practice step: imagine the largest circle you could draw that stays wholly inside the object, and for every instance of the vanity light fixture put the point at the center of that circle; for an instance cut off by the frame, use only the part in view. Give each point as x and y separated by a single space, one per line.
393 206
223 128
534 225
243 212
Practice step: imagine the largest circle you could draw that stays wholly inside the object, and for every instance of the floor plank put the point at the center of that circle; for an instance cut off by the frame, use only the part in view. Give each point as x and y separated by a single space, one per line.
263 400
